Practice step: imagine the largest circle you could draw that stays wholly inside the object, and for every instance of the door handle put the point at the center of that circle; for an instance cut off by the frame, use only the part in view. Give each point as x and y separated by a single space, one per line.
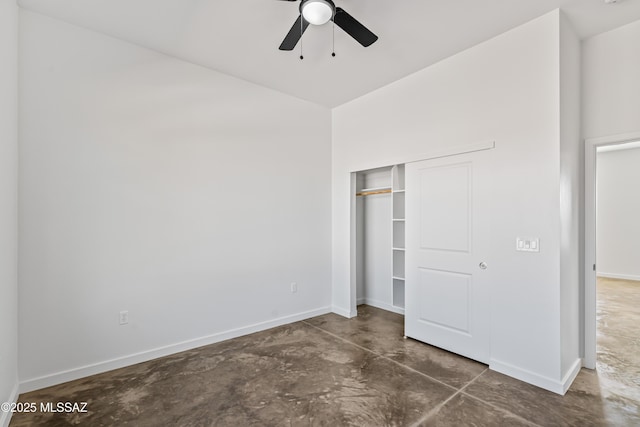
483 265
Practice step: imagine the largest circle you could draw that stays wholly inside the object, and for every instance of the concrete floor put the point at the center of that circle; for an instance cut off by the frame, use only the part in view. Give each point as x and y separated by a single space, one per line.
333 371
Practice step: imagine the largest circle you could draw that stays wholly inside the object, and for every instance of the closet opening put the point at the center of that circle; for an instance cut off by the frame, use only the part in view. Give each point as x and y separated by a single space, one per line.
380 238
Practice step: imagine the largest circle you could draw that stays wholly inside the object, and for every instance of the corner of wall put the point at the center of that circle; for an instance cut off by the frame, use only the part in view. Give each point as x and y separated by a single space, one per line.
8 206
571 197
5 417
343 312
548 383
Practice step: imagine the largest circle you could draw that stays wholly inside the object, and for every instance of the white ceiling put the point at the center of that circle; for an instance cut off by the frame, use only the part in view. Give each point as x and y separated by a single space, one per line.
241 37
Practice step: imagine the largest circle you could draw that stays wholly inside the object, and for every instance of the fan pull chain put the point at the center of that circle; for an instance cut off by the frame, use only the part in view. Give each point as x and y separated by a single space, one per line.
301 30
333 35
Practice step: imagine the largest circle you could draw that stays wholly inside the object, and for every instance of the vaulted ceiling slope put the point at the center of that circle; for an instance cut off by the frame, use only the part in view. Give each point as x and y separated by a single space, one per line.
241 37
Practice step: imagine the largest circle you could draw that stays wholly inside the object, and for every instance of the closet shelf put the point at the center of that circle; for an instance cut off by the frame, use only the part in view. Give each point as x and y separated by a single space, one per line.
398 191
371 191
398 249
398 278
398 219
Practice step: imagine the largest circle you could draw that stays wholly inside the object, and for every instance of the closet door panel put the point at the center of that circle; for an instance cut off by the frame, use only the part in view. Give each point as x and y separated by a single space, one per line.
447 234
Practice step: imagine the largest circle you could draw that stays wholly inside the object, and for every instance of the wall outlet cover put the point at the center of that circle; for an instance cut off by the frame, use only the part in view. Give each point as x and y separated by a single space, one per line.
527 244
124 317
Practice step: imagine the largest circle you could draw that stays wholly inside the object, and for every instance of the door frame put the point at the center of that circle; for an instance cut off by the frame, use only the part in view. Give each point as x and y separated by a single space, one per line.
590 327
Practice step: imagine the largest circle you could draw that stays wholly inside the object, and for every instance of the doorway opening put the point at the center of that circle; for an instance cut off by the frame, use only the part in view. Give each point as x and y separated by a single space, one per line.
612 259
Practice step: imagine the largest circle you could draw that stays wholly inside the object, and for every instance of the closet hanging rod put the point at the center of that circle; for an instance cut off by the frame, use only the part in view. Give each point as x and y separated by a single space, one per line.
372 192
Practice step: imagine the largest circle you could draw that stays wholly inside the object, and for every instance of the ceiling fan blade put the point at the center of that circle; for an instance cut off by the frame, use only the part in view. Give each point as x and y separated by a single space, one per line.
354 28
296 31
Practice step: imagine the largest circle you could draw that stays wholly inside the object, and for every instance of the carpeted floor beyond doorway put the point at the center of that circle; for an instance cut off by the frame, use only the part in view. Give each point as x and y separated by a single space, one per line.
334 371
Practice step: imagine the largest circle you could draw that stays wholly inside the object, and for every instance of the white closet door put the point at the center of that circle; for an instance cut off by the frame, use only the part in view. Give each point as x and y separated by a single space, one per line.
447 274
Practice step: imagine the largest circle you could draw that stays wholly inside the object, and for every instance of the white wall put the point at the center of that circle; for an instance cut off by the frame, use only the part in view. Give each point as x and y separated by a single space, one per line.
505 90
377 251
611 87
618 214
8 204
187 197
571 193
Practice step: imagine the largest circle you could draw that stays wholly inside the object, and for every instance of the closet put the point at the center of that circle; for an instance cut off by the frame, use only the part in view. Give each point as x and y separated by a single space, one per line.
426 253
380 237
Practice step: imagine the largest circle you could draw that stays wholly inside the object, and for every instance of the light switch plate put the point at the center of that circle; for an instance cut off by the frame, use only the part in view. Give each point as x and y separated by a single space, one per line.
527 244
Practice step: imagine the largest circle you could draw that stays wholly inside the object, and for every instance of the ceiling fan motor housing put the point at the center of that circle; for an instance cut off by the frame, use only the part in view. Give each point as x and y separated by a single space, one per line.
317 12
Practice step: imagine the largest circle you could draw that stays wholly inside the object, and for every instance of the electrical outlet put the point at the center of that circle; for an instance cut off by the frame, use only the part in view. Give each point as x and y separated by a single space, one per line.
124 317
294 287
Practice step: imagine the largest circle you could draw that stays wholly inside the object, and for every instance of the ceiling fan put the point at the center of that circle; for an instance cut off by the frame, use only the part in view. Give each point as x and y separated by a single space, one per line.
319 12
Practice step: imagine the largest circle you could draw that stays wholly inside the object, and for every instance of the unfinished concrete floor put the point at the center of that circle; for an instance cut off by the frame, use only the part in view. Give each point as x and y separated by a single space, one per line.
334 371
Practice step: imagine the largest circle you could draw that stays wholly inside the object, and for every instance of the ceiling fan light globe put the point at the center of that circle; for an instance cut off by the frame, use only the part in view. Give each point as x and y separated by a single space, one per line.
317 12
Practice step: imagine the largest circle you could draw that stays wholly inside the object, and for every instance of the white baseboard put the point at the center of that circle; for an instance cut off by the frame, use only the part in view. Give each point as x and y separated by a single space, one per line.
368 301
586 363
382 305
121 362
618 276
556 386
571 374
344 312
5 417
